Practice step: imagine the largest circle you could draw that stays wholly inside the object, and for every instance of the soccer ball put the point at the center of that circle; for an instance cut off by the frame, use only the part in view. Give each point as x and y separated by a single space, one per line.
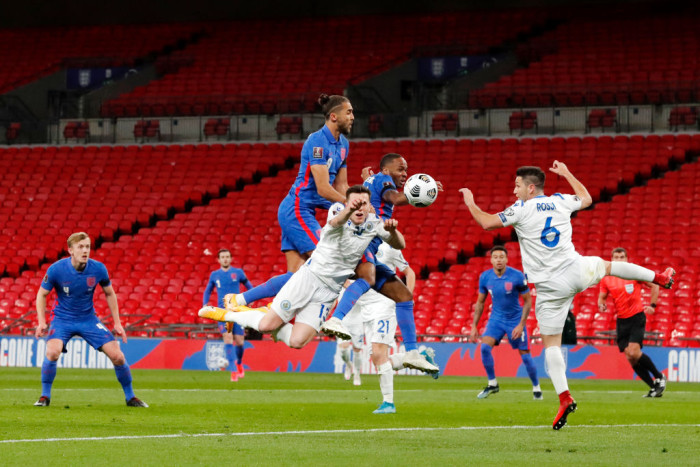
421 190
222 363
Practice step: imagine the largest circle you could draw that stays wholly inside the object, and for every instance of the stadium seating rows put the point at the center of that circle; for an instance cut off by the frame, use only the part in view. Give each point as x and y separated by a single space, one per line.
605 61
160 269
30 53
235 69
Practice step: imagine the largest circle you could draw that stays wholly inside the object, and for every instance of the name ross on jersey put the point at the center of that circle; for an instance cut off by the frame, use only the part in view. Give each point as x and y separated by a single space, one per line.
546 207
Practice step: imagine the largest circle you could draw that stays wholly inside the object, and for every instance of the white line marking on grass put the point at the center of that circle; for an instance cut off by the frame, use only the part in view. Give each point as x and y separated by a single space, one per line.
368 430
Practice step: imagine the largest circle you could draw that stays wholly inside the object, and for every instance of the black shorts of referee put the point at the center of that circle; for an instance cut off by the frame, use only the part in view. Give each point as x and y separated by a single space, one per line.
631 330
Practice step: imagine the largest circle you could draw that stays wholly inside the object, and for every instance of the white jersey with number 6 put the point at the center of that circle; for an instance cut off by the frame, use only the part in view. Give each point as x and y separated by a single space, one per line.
543 225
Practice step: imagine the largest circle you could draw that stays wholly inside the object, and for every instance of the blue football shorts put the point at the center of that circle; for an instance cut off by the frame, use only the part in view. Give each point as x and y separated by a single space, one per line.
90 328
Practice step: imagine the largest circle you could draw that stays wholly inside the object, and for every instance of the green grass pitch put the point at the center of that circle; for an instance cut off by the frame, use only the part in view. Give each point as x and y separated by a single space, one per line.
201 418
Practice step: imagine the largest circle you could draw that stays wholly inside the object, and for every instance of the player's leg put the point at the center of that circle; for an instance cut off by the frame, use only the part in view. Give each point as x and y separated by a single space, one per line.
488 341
300 234
239 344
522 345
54 347
635 272
397 291
123 372
227 337
554 299
380 358
343 351
365 272
357 363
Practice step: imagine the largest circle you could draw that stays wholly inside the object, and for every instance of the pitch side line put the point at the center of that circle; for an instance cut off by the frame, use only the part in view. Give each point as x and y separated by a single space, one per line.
315 432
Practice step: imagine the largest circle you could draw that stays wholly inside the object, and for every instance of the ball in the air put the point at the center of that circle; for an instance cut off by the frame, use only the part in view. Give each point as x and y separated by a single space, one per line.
421 190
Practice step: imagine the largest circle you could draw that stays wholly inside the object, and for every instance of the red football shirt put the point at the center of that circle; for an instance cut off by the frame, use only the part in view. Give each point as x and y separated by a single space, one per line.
626 294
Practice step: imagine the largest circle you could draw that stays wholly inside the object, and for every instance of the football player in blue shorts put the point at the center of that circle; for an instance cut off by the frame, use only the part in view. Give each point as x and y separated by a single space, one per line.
228 280
321 181
505 285
384 187
75 279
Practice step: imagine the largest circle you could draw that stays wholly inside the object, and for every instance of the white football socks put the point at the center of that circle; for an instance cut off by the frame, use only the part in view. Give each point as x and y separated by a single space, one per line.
345 355
396 361
386 381
357 361
247 319
631 271
240 299
557 368
284 333
493 382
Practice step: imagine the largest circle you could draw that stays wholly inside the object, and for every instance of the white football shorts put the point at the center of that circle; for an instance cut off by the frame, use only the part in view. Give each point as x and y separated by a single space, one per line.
305 297
379 317
555 296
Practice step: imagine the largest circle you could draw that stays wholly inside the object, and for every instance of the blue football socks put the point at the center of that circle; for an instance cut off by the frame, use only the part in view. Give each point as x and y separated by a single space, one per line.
404 317
487 360
229 351
351 295
268 289
239 354
531 368
124 377
48 374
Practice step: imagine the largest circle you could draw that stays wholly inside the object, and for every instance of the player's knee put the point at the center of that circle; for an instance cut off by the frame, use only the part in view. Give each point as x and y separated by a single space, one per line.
53 354
296 342
117 359
633 355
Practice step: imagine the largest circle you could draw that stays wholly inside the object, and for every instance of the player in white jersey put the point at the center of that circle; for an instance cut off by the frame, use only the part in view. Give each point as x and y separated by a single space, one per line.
311 291
349 351
551 263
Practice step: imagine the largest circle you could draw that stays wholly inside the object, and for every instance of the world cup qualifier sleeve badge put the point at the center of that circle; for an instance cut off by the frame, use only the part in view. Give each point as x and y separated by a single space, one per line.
317 152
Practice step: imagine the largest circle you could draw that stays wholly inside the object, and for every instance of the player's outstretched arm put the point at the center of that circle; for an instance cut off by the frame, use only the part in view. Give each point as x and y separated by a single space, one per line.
395 239
323 185
580 190
41 326
113 305
485 220
340 184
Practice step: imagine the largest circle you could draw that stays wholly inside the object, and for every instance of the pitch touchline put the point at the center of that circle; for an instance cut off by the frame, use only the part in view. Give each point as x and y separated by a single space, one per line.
234 390
368 430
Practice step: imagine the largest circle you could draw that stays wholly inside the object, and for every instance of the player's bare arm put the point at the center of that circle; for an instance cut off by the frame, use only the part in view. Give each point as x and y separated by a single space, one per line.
111 297
366 173
397 198
323 185
602 296
653 298
41 326
580 190
485 220
527 306
395 239
478 310
341 181
345 214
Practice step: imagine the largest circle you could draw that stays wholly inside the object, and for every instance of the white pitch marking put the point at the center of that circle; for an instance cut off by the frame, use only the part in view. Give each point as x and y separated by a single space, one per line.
315 432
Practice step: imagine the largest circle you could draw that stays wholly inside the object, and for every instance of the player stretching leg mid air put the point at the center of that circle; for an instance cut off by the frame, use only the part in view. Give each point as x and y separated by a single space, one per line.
75 279
543 225
505 285
321 181
311 291
373 274
228 280
631 323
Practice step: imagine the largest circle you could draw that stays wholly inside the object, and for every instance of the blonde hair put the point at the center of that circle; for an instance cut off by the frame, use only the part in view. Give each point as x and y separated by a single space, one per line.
77 237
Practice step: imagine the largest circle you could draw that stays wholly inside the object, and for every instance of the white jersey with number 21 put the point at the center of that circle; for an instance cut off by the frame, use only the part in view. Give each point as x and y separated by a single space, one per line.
543 225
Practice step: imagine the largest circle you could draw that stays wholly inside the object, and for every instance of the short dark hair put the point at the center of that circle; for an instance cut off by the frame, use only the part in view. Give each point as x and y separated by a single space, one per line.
532 175
223 250
388 159
357 189
619 249
498 248
329 103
